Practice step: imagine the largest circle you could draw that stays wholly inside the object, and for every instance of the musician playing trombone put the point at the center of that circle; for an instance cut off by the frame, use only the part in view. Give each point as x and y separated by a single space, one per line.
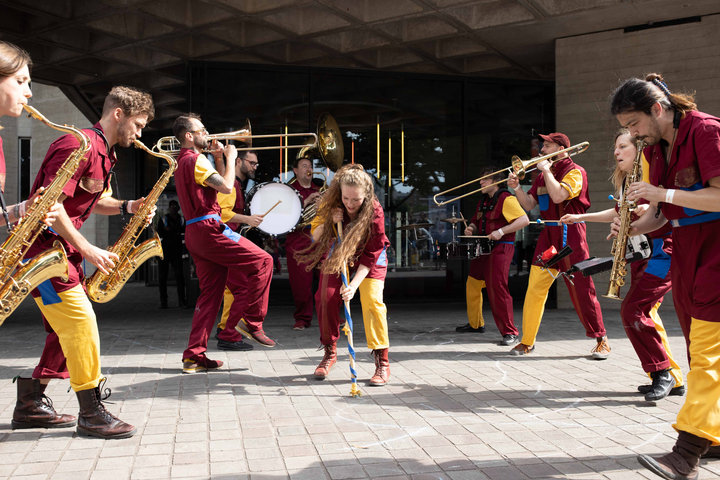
560 188
498 216
222 257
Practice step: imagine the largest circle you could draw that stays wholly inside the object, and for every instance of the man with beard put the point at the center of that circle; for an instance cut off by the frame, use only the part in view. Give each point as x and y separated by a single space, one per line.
233 207
560 188
72 347
222 257
684 155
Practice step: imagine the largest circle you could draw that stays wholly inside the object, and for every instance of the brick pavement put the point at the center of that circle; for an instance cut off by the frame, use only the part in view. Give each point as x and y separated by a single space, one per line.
458 406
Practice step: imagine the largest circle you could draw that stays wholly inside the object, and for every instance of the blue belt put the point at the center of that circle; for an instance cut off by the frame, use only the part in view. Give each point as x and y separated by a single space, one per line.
708 217
204 217
509 243
558 224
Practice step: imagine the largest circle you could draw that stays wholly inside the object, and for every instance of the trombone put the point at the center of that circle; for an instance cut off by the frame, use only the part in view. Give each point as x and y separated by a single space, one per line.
518 167
171 145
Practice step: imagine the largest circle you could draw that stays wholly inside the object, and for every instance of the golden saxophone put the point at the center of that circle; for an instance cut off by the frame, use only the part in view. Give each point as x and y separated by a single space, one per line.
17 280
619 269
102 288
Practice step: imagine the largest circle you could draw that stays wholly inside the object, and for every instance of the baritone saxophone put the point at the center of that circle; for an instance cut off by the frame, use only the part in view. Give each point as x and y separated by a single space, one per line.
102 288
19 279
619 269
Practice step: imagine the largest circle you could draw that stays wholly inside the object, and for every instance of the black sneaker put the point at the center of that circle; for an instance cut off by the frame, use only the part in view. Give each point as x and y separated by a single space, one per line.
468 329
239 346
674 392
509 340
217 333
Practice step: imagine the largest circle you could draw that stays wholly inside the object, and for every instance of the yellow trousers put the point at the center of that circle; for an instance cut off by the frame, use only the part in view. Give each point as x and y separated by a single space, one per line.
374 313
474 300
539 285
227 303
700 415
74 322
675 370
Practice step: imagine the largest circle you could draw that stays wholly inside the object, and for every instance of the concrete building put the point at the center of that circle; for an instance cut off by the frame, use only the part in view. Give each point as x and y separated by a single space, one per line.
456 84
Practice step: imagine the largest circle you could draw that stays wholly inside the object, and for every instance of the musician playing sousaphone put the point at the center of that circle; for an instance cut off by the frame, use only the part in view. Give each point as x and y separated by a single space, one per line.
560 188
498 216
300 239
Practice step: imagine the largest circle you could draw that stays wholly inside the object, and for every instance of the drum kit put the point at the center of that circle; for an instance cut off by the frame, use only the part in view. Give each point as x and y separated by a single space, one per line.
471 246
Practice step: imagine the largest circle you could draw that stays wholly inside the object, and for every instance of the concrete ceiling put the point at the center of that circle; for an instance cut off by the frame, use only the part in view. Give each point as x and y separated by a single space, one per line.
86 46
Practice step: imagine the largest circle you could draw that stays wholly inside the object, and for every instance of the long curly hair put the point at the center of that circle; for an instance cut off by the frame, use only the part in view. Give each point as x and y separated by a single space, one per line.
358 232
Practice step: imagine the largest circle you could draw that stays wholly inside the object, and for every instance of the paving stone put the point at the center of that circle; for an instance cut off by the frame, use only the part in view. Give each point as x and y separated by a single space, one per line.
458 407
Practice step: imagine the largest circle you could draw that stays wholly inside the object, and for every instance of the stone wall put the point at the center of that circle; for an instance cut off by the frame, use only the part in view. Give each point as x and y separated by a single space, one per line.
589 68
55 106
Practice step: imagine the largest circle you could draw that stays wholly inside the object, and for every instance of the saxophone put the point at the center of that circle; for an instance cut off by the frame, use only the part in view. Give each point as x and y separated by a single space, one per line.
102 288
619 269
18 281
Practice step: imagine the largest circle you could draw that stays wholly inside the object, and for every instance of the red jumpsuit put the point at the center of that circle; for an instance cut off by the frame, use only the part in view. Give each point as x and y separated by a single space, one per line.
222 257
230 334
582 293
327 297
300 279
493 269
650 282
694 160
83 191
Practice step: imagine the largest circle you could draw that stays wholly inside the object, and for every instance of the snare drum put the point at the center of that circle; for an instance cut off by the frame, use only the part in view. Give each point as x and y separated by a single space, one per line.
462 251
283 218
484 246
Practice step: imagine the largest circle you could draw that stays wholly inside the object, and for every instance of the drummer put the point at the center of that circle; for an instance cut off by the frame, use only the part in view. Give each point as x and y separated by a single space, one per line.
233 209
498 216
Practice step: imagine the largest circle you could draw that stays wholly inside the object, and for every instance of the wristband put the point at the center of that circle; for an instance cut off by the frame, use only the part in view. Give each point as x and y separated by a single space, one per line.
22 208
669 195
16 212
123 208
519 187
500 231
129 206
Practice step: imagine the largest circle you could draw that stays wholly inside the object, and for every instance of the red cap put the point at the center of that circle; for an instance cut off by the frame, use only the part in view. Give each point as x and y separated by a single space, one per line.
559 138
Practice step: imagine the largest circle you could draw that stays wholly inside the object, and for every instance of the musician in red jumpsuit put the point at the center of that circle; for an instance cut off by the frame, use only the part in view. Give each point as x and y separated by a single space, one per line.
300 279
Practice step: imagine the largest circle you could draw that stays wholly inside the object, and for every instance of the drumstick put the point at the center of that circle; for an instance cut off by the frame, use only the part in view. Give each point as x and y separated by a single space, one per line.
464 221
271 208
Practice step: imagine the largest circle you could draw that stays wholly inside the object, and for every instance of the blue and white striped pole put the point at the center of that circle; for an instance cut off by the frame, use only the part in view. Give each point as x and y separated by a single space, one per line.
348 329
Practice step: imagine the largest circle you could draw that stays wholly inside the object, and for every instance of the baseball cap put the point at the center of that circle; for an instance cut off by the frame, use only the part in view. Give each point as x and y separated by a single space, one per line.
559 138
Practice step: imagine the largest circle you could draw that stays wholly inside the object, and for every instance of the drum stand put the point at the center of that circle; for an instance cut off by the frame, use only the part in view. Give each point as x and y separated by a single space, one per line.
551 257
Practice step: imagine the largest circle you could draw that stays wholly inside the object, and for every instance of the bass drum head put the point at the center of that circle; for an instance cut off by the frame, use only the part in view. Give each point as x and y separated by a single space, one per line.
284 217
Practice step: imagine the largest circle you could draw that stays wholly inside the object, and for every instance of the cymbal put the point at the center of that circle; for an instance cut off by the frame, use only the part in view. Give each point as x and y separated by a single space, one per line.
452 220
413 226
473 236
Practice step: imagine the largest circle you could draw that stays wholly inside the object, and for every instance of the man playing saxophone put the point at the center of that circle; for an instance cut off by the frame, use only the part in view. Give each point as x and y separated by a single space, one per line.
72 347
300 279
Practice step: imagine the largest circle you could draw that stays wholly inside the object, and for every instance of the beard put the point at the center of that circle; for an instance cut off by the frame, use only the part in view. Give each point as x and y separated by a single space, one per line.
247 173
200 144
125 135
654 136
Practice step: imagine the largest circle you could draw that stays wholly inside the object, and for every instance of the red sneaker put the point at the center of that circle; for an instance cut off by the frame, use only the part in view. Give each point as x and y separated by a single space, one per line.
199 364
258 336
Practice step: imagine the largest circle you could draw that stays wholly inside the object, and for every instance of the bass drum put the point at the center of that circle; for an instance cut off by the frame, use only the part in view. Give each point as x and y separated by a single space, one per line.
284 217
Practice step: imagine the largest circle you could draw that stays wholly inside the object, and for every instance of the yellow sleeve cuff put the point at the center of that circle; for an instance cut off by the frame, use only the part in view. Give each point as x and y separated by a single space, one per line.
227 203
203 170
573 183
511 209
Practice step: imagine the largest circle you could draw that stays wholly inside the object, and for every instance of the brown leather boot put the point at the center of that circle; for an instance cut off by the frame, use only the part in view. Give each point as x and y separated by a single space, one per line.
684 460
34 409
95 421
382 368
713 452
328 361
